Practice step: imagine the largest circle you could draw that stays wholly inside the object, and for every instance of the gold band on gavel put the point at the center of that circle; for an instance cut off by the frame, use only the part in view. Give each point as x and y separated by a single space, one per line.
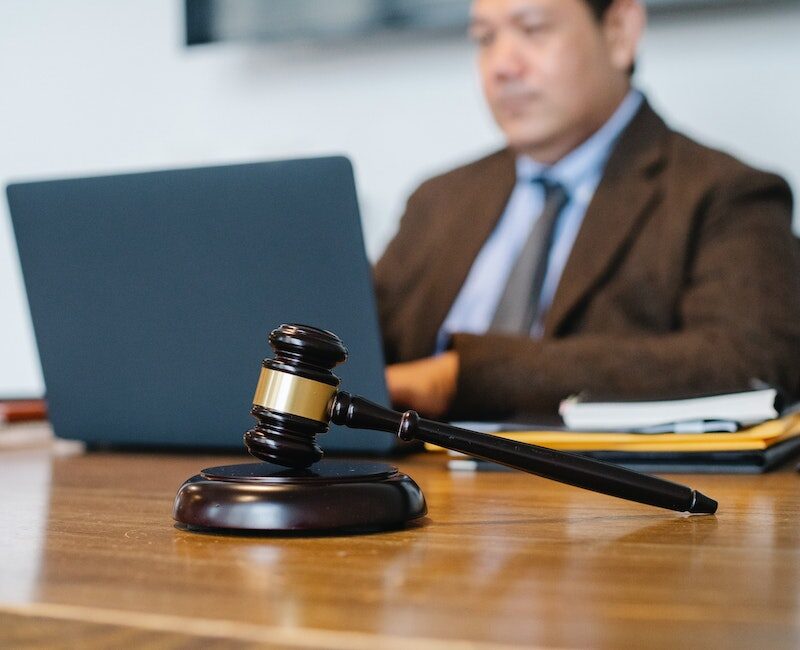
285 393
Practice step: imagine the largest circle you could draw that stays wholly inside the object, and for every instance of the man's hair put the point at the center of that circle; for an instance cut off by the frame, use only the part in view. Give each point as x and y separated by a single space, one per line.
599 7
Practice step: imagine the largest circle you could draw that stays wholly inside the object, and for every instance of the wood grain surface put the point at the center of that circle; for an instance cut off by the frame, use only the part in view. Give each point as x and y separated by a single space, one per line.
89 557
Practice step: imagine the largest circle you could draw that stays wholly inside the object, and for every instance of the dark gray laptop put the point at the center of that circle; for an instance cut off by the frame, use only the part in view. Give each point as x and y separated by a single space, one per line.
152 295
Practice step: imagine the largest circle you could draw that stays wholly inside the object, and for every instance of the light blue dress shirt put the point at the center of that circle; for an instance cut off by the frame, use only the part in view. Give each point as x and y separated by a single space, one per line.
579 172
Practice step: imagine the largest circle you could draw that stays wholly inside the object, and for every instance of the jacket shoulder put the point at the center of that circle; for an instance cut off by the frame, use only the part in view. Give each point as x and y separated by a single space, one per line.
498 164
719 170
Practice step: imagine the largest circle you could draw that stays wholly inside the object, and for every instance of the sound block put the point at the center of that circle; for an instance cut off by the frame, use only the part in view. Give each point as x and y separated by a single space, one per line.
331 495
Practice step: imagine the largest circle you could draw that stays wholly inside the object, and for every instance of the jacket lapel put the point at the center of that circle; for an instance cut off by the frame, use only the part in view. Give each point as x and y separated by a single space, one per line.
628 188
469 226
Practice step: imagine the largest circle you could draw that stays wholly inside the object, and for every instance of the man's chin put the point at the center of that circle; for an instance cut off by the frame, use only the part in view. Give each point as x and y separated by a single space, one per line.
525 141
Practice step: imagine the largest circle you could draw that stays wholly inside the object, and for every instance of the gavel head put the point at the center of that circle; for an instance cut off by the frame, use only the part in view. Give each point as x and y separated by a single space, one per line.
294 394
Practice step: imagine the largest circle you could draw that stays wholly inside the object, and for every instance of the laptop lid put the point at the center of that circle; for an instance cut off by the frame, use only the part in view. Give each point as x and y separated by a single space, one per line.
152 295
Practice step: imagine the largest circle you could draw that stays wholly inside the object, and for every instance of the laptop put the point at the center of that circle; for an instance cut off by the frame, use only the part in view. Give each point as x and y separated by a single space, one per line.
152 296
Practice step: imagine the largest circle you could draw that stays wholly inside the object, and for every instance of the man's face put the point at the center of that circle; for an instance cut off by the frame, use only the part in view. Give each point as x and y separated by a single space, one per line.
550 72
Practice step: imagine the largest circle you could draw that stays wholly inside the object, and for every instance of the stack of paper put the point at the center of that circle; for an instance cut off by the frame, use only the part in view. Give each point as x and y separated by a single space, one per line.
713 412
753 449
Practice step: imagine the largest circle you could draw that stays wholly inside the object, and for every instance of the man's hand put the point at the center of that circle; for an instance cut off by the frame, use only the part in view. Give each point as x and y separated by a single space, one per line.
427 385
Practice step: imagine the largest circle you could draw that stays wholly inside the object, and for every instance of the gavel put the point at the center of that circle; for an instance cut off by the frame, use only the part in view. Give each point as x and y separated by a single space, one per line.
298 395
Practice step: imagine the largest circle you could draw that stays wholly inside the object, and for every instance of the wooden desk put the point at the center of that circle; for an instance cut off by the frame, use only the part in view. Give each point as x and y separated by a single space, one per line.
90 557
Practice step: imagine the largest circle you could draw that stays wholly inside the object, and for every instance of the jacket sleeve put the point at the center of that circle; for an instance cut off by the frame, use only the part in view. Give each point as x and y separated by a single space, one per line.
738 319
395 271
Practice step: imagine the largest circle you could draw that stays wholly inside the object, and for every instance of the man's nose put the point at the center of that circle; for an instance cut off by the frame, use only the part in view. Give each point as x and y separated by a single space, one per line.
506 61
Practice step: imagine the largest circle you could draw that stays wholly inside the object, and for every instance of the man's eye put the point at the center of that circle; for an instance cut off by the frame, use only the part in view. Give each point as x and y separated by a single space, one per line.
533 29
482 39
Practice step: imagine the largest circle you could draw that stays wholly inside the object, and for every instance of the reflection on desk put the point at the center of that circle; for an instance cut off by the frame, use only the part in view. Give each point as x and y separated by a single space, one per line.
90 553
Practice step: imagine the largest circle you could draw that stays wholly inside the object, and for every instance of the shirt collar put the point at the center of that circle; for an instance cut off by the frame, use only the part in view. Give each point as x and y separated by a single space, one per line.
588 158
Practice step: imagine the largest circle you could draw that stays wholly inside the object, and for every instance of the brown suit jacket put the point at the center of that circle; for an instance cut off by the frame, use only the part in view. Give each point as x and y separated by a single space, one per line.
684 278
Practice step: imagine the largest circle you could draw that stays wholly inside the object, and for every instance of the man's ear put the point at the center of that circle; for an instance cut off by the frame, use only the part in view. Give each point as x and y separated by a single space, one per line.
623 26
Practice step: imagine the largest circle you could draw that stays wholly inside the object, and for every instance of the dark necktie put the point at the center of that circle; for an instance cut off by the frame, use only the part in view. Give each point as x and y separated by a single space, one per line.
518 308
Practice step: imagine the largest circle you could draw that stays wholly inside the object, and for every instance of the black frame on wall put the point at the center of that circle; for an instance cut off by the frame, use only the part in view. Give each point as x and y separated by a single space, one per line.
208 21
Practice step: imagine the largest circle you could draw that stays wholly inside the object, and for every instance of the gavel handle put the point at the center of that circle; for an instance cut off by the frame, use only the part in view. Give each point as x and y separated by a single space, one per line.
358 413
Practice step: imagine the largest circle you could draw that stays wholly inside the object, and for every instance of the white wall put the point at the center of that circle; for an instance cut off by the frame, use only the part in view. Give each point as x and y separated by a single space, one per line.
94 86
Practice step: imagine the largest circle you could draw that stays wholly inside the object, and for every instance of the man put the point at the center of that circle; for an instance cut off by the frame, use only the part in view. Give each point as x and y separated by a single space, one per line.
654 266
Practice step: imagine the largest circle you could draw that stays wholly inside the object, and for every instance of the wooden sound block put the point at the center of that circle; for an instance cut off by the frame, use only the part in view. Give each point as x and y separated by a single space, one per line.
331 495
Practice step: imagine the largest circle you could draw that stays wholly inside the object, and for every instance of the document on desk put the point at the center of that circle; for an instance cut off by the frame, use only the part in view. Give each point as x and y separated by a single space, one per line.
744 409
760 436
25 435
756 449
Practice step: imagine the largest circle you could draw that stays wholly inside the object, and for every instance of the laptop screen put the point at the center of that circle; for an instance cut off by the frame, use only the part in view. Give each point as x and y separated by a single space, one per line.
152 295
